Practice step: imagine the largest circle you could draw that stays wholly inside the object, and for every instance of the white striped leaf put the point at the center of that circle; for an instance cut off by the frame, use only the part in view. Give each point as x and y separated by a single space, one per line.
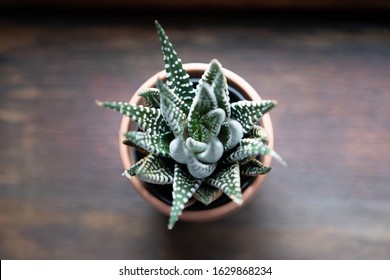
151 97
204 102
260 133
177 77
149 120
213 121
215 77
132 171
228 180
155 170
157 144
171 107
195 146
184 187
254 167
207 194
199 169
249 147
219 87
248 113
201 134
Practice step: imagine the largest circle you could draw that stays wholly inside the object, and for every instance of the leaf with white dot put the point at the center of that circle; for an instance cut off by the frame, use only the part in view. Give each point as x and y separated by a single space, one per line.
151 97
228 180
207 194
204 102
184 187
249 147
195 146
171 110
199 169
214 68
201 134
248 113
132 171
155 170
142 151
149 120
177 77
219 87
157 144
260 133
214 76
213 120
254 167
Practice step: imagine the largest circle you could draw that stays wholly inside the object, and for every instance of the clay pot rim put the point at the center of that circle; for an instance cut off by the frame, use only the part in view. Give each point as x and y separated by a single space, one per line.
127 156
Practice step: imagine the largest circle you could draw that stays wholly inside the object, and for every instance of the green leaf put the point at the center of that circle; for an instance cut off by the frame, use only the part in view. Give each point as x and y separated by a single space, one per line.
260 133
155 170
213 121
248 113
132 171
214 68
231 134
184 187
177 77
199 169
156 144
151 97
228 180
171 107
204 102
249 147
214 76
254 167
207 194
213 152
195 146
149 120
201 134
179 151
138 148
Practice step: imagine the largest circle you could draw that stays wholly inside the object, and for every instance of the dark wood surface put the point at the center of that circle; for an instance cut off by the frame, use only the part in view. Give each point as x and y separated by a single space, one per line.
62 195
275 4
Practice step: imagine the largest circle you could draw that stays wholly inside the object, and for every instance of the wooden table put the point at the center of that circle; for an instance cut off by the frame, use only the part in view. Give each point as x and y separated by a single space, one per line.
62 195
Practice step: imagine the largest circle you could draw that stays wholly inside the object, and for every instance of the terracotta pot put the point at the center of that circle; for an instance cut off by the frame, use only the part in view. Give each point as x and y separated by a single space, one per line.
195 70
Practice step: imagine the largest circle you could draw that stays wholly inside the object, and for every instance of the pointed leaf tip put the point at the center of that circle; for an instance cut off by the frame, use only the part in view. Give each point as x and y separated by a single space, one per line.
276 156
229 181
184 187
126 174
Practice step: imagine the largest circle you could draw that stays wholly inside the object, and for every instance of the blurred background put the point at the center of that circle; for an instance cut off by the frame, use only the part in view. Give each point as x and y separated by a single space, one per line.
62 195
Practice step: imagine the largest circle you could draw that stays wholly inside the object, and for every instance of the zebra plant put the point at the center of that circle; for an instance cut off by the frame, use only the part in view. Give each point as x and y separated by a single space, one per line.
193 138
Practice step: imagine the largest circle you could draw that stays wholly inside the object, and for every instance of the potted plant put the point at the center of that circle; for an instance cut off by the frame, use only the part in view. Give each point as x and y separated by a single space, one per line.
191 141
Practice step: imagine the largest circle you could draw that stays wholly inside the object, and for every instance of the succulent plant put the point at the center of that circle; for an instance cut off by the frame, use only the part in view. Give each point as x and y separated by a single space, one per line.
193 138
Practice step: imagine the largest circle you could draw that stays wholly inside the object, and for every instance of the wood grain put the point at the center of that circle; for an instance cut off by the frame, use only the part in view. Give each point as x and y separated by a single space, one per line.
62 195
191 4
